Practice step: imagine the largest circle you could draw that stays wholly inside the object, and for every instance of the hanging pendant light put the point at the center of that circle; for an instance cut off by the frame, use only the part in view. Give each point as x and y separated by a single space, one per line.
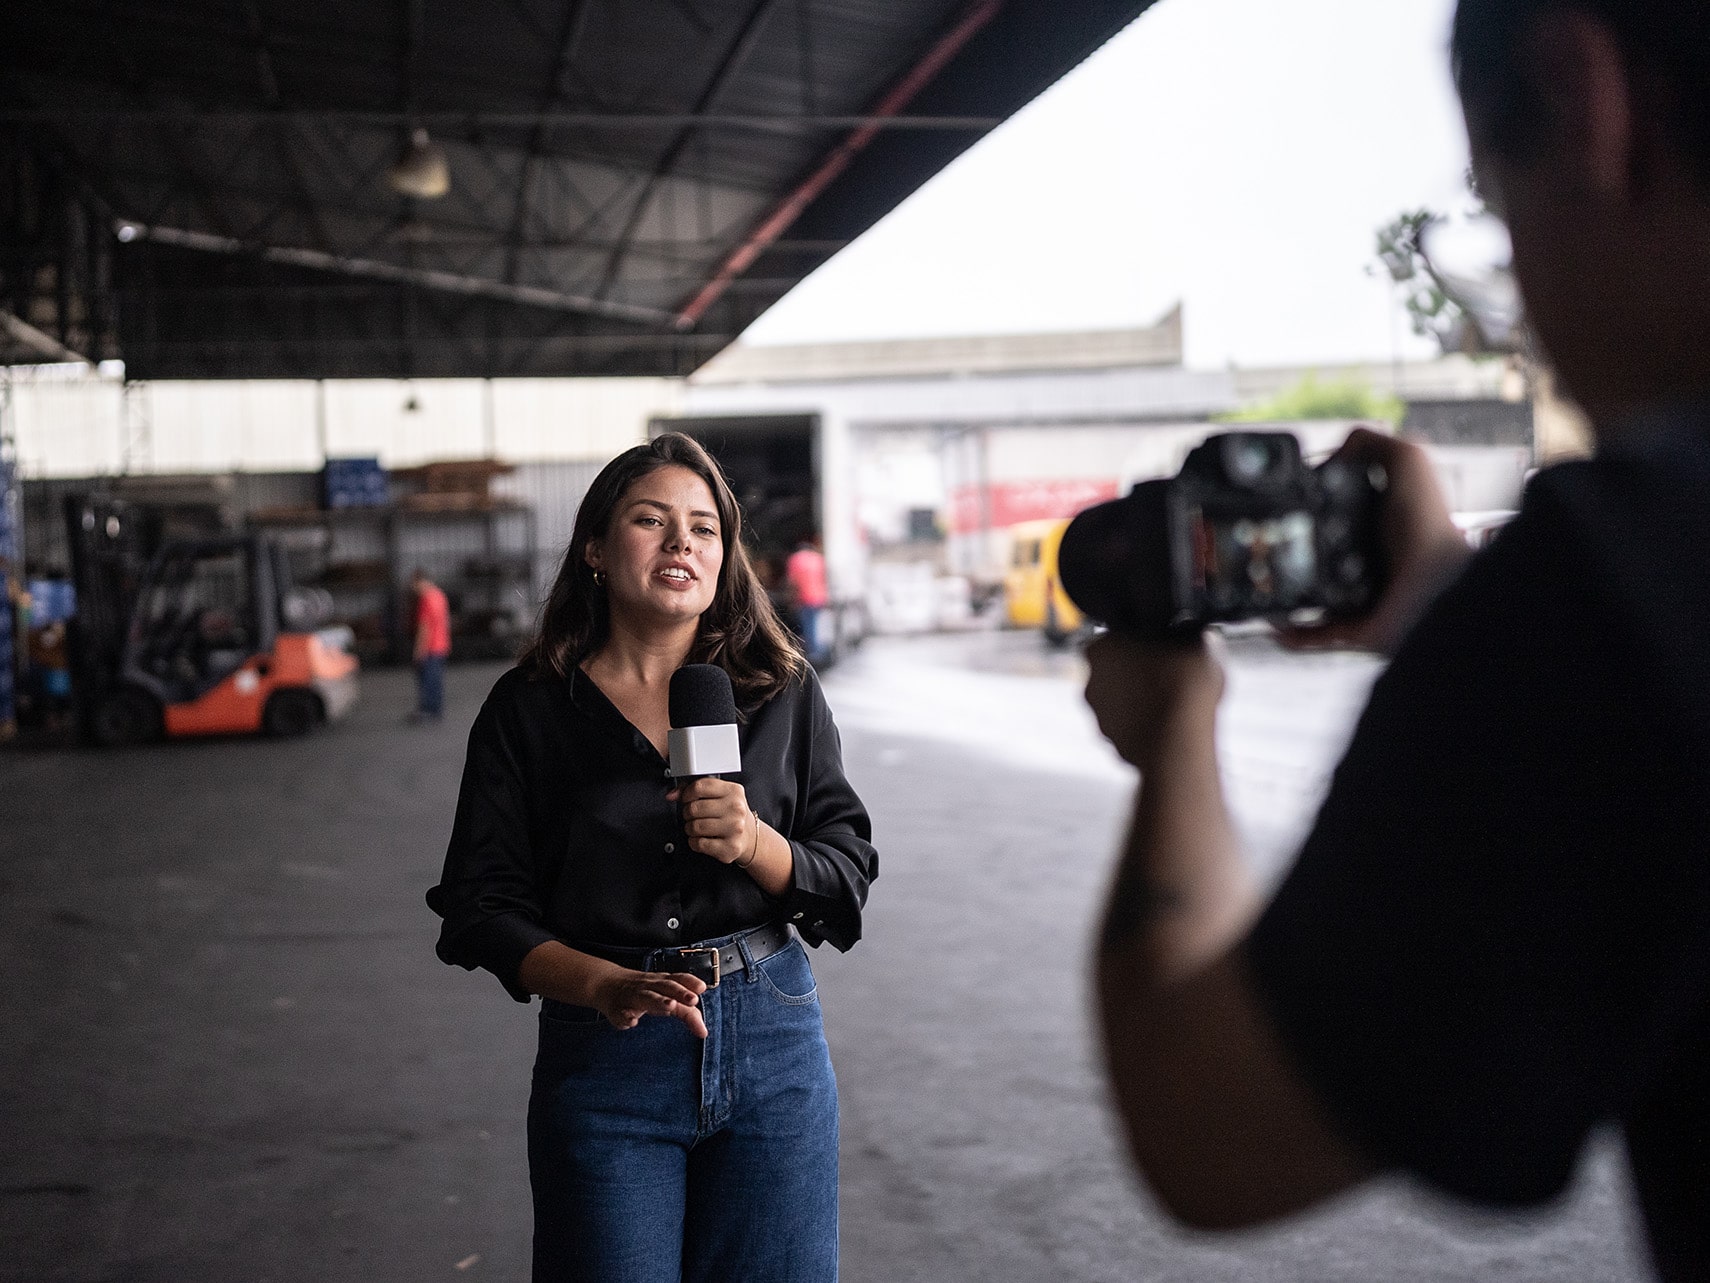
422 171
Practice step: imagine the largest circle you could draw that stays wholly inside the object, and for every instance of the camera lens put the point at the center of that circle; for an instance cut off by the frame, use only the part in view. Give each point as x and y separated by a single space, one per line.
1114 561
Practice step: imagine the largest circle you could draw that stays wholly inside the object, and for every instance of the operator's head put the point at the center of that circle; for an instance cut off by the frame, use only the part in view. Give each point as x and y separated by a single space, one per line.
1590 130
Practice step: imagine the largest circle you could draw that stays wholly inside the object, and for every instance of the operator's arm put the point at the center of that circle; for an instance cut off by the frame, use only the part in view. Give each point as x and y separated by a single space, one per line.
1216 1116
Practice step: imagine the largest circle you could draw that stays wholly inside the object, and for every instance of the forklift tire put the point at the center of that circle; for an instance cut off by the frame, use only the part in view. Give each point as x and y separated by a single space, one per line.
126 717
291 713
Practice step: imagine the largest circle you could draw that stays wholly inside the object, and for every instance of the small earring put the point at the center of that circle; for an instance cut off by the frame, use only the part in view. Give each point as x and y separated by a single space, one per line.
599 579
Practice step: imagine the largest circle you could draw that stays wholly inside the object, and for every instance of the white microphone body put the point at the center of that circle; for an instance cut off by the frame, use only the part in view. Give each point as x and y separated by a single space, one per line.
704 750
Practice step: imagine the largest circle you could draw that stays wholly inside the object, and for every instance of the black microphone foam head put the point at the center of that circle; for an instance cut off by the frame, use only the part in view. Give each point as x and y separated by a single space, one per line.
701 696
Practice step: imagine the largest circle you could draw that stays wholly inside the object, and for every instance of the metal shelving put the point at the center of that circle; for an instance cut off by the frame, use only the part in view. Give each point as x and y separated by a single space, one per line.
483 557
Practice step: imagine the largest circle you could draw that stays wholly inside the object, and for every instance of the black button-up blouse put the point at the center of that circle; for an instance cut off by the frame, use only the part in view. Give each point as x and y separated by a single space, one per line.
563 831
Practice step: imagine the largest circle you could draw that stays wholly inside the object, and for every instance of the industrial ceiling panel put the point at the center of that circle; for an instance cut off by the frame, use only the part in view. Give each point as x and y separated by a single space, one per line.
223 188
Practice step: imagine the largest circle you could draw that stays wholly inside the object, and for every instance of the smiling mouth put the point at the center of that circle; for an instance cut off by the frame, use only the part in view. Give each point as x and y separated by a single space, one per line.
676 574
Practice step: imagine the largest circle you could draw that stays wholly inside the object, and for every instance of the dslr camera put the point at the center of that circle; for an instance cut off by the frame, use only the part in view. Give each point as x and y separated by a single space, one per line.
1246 530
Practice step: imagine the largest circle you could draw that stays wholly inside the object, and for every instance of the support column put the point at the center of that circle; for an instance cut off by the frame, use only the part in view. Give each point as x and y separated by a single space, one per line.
11 559
136 428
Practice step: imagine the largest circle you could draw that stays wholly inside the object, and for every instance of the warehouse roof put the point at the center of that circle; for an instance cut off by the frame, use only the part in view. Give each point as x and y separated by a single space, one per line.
212 188
955 355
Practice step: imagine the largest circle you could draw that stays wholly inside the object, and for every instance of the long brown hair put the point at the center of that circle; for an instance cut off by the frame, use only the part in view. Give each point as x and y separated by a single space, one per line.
739 631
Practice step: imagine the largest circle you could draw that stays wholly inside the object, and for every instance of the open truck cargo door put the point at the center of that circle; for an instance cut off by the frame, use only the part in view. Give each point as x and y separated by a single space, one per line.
791 475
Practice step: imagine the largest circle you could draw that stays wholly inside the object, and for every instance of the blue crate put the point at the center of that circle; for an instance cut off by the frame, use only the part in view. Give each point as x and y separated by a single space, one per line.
52 601
353 483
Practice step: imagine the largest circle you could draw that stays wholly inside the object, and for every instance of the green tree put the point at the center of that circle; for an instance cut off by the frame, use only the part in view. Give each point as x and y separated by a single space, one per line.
1432 313
1312 398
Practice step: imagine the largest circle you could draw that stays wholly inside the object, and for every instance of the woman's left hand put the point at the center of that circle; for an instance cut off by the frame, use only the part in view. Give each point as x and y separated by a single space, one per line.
718 820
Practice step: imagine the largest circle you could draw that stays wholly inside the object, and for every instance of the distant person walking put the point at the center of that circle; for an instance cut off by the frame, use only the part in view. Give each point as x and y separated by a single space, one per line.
432 647
805 573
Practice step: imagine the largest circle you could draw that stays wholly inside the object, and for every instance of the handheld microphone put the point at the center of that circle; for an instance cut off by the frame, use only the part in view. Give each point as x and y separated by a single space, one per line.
703 739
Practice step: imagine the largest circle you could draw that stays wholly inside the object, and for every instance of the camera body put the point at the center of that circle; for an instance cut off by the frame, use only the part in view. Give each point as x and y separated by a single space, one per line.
1246 530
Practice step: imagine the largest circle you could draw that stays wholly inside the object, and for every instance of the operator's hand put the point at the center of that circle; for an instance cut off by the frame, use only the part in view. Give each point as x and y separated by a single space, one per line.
1143 692
627 996
1421 541
718 820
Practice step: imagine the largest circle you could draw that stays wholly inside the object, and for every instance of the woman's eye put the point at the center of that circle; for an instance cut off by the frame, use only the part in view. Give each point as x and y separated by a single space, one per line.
708 531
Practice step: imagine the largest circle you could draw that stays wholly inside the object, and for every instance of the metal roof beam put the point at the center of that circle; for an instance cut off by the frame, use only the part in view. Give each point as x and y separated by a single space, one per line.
426 278
23 332
785 213
138 85
562 61
269 78
458 122
747 36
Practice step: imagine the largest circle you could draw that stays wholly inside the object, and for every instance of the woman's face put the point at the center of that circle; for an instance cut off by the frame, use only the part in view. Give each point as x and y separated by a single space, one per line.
663 551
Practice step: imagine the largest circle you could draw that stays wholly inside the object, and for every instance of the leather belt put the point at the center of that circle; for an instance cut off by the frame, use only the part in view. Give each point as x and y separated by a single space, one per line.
709 962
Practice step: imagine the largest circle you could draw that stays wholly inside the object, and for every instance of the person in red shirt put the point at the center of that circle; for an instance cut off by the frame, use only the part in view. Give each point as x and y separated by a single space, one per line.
805 572
433 646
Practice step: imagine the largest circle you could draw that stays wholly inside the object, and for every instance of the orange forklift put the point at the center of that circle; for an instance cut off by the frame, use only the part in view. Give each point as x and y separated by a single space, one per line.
196 636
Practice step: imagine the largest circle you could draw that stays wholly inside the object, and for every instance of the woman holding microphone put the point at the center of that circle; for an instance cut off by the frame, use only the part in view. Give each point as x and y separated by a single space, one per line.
683 1116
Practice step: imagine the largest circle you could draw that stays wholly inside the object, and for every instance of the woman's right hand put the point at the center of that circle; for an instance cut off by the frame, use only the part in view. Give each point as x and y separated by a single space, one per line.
624 997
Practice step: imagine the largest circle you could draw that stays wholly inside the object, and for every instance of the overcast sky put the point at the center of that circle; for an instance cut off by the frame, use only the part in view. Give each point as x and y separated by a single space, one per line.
1237 155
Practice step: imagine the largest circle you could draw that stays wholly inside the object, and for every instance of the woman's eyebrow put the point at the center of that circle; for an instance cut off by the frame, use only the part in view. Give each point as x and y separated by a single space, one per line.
665 507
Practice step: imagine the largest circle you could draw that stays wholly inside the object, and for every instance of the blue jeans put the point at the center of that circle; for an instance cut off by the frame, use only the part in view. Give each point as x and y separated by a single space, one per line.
430 685
656 1158
811 621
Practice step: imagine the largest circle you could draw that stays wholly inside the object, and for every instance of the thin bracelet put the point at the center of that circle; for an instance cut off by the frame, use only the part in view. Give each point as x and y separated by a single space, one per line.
754 854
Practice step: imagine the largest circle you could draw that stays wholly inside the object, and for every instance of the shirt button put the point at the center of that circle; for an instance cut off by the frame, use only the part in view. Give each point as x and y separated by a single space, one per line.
672 923
670 847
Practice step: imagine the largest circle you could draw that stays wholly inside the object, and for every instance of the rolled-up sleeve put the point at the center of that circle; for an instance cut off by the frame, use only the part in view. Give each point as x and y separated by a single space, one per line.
488 893
831 838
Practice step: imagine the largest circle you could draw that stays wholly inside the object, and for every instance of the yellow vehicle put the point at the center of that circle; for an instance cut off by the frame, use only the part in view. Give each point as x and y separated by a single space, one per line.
1032 595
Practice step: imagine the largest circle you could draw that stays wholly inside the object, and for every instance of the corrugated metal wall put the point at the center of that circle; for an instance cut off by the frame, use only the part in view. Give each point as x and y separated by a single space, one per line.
554 491
84 426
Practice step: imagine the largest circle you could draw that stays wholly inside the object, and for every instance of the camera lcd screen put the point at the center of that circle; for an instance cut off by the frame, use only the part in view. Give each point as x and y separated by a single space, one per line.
1255 564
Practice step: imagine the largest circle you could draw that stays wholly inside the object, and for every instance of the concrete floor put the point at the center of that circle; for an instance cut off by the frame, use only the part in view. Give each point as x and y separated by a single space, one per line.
230 1055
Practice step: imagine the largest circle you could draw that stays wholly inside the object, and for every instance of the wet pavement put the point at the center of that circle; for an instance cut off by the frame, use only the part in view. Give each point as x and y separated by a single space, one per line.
230 1054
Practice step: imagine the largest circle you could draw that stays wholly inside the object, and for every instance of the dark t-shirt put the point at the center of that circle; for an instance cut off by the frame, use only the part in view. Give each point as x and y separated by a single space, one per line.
563 831
1498 933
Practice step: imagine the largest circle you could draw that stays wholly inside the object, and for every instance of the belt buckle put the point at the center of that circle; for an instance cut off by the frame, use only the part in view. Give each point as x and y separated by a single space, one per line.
713 954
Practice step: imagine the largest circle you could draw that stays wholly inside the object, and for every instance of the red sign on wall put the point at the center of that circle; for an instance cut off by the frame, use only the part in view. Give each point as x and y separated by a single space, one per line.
1016 501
